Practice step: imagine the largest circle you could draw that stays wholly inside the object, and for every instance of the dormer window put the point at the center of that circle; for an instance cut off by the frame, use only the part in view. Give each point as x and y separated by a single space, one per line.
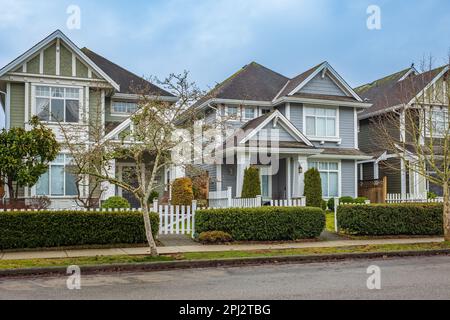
249 113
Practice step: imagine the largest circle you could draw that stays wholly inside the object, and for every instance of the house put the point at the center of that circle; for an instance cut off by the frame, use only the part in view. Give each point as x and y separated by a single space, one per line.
309 121
61 83
398 98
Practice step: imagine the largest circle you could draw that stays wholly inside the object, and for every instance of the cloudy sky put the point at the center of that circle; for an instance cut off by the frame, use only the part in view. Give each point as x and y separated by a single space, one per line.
214 38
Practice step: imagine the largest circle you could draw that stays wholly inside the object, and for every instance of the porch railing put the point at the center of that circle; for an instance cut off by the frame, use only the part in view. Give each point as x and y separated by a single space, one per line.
411 198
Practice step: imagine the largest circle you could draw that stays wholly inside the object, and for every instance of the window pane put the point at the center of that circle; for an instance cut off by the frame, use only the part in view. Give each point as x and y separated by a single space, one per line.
57 110
310 111
249 113
42 185
333 166
324 177
57 180
310 126
331 127
334 185
43 91
57 92
323 166
72 93
321 127
43 108
321 112
232 111
331 112
59 159
131 107
72 110
71 187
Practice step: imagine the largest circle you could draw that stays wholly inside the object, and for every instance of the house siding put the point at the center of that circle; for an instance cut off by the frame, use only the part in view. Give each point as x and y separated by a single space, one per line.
325 86
33 65
348 178
297 115
391 170
66 62
18 105
82 70
50 60
347 127
282 133
229 177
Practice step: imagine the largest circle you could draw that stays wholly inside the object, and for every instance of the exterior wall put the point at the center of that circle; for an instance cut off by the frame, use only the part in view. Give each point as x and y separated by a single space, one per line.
348 178
368 171
391 170
66 62
33 65
282 133
229 177
279 182
347 127
18 105
324 86
297 115
370 138
50 60
82 70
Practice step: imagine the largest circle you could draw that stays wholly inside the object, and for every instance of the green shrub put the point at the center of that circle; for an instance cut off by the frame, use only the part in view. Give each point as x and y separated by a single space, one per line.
182 193
153 196
215 237
324 205
394 219
361 200
46 229
263 224
252 183
116 203
330 204
431 195
313 188
346 200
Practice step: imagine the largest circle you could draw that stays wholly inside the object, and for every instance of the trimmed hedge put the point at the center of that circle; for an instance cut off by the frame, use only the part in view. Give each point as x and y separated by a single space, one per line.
116 203
263 224
313 188
46 229
392 219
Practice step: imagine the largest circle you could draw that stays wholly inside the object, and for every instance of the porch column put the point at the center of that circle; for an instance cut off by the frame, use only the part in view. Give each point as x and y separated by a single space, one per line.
289 178
243 162
303 163
110 189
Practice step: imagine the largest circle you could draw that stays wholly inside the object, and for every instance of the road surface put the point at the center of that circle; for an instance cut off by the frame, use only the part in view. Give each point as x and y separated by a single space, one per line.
406 278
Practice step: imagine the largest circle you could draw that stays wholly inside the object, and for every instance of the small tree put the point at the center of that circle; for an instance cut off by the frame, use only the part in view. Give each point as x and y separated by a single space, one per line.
182 193
25 155
313 188
252 183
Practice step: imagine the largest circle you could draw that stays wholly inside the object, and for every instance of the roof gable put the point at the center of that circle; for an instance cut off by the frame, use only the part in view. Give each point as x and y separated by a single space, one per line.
31 60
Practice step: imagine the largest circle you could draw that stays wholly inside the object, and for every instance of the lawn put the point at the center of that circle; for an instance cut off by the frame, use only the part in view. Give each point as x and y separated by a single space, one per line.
330 222
108 260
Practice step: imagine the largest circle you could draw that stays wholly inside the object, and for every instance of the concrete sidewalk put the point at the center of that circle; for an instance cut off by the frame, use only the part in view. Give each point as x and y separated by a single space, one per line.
201 248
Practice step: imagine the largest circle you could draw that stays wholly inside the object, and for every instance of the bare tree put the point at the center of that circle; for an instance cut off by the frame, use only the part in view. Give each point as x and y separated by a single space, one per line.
417 130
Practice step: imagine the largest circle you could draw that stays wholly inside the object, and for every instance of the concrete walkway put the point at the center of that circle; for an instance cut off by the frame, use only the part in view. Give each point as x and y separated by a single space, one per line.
201 248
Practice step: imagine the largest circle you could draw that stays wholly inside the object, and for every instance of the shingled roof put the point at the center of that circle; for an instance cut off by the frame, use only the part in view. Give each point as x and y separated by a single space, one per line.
126 79
295 82
394 90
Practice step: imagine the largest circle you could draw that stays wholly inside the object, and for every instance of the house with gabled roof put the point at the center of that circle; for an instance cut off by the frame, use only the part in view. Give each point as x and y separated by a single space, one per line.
61 83
397 99
308 121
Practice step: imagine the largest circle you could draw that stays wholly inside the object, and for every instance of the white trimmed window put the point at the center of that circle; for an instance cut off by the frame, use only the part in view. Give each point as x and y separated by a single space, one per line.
58 181
124 108
329 173
439 123
249 113
321 122
233 112
265 111
57 104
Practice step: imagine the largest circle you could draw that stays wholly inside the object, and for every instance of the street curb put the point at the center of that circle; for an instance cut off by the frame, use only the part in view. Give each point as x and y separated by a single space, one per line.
199 264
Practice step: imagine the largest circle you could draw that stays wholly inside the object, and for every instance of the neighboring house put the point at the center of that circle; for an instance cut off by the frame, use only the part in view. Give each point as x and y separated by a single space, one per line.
315 115
397 95
61 83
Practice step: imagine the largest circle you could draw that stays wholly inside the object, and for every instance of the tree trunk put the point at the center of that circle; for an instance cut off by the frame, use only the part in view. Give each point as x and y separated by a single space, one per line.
447 211
148 229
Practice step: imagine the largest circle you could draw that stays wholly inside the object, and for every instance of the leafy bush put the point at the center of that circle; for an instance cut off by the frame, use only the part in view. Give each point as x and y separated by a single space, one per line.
154 195
394 219
313 188
263 224
45 229
215 237
252 183
182 193
361 200
116 203
346 200
324 204
431 195
200 186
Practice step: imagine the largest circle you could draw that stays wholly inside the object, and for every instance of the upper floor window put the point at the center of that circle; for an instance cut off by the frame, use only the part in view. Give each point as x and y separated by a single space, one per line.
249 113
58 181
125 108
58 104
265 111
233 112
439 123
321 122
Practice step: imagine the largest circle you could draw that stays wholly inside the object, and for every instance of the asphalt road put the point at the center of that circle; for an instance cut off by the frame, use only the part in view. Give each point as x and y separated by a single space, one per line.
408 278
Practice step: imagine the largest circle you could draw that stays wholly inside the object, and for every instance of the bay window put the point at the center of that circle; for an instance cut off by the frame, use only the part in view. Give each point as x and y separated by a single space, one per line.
57 104
321 122
58 181
329 174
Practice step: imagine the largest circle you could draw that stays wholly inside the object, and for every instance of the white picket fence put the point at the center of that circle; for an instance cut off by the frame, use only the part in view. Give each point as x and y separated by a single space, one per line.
300 202
411 198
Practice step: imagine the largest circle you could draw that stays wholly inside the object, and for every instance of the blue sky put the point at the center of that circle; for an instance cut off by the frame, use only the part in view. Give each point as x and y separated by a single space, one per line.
214 38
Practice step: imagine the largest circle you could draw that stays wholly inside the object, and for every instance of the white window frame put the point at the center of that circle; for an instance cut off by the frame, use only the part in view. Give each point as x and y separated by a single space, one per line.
238 114
49 195
244 113
122 114
433 113
335 138
80 99
338 171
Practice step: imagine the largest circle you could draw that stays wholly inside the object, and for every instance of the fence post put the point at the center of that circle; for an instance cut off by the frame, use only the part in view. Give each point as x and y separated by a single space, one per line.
229 196
155 205
259 201
336 205
194 209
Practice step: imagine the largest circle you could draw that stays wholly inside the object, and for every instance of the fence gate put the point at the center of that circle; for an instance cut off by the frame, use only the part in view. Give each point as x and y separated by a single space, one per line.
176 219
374 190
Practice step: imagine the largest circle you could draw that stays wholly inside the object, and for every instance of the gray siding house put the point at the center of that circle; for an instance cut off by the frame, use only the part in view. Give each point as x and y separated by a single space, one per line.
304 122
401 100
